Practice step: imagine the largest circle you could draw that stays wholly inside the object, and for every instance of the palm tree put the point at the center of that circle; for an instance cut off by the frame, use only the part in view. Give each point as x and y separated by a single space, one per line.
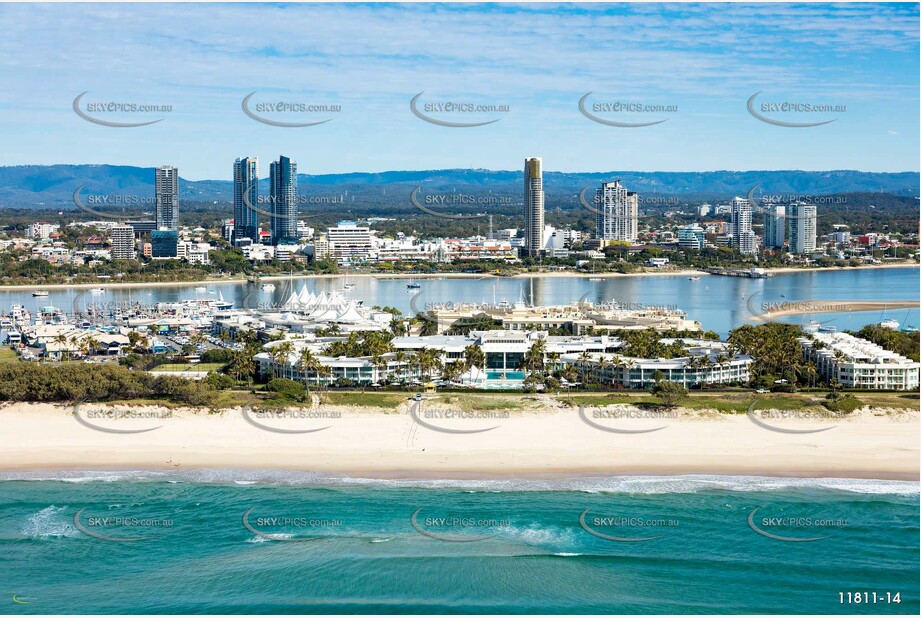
584 358
197 338
428 361
533 360
474 356
306 361
380 363
602 366
324 371
280 354
61 339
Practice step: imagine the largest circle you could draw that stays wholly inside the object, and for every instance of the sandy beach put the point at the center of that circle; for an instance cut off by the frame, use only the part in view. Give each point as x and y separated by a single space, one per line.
809 307
879 444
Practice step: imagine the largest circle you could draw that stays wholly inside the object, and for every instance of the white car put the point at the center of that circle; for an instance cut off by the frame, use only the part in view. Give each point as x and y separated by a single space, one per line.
762 391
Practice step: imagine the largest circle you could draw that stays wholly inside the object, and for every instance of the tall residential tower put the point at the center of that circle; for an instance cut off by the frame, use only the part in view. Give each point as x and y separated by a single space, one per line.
802 227
283 194
167 189
533 206
617 212
740 228
246 199
775 221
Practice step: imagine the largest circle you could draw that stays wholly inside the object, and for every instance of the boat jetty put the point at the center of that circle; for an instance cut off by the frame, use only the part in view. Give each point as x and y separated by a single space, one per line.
751 273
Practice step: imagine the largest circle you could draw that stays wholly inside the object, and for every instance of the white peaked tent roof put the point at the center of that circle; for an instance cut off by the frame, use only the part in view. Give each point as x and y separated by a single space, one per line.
329 315
474 374
350 316
291 304
306 297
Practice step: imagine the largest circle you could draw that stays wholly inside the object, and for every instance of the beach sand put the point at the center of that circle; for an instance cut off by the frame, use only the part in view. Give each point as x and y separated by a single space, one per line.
555 442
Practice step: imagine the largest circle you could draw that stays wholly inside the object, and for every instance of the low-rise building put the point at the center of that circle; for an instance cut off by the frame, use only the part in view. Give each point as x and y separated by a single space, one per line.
858 363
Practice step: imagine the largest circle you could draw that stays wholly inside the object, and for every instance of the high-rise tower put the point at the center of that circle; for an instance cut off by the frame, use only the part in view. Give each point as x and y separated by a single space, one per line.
533 206
246 199
167 190
283 193
618 210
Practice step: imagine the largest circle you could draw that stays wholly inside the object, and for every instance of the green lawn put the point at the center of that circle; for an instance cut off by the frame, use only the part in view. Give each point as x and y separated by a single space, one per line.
373 400
8 355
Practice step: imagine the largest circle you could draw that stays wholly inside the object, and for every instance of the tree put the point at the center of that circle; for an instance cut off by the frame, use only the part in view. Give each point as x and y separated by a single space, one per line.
307 362
242 365
671 393
280 354
474 356
533 360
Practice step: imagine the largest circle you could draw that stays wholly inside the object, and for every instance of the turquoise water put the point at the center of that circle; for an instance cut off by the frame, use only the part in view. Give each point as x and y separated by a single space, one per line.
524 551
718 303
505 375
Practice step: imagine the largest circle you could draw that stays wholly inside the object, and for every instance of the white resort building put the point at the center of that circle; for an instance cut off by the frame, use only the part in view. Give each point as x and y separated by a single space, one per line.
595 358
858 363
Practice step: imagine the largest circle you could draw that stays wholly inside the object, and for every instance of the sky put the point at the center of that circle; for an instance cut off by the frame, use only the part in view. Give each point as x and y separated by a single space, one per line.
700 63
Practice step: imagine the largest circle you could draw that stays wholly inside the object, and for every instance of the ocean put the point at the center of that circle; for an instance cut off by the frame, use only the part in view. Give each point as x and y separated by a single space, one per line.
263 542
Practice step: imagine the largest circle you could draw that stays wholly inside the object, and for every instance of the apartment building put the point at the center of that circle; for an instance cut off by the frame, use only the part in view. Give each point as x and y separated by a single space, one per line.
858 363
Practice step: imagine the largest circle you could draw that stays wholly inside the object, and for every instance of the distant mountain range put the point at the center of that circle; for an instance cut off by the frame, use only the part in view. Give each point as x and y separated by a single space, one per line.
53 186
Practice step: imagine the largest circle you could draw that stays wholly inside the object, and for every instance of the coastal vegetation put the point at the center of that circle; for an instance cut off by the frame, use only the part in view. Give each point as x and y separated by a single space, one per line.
906 344
776 353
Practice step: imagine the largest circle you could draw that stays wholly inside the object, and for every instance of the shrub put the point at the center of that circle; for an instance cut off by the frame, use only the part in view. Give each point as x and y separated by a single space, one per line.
671 393
286 387
219 381
217 355
844 404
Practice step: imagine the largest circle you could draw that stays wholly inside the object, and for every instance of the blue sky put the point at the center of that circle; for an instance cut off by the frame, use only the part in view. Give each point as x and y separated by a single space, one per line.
539 60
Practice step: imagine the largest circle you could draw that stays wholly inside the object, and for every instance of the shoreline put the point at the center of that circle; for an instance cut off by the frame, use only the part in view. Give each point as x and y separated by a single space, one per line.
421 476
541 442
686 272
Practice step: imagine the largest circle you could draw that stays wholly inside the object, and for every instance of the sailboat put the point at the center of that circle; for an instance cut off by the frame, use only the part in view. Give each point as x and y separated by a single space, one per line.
888 322
593 277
